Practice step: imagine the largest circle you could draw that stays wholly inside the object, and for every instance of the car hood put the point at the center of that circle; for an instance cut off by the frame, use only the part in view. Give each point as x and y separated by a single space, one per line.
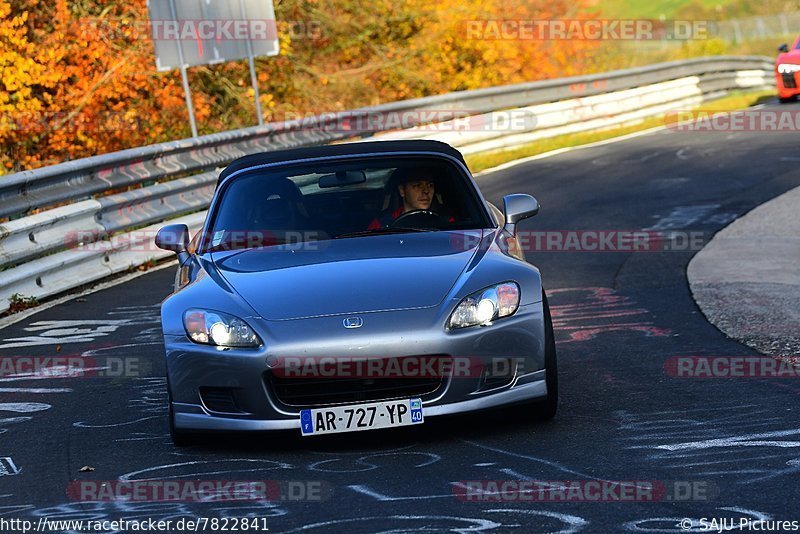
792 57
348 276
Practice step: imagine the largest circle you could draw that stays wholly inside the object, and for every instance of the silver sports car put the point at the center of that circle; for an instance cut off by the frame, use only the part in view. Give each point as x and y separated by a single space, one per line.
353 287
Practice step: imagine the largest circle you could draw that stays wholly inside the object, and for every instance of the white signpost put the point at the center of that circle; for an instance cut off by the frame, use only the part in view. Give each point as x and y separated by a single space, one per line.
205 32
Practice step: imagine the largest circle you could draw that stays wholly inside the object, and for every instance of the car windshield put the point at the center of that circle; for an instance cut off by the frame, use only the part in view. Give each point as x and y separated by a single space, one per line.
343 200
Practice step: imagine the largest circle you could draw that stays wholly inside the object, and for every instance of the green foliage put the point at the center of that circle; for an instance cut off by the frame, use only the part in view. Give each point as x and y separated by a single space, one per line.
18 303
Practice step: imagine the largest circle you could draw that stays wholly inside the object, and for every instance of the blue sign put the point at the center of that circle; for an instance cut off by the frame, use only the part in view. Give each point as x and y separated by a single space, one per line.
416 410
306 423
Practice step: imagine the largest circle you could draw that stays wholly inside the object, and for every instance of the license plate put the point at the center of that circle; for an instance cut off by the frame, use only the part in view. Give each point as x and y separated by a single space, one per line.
361 417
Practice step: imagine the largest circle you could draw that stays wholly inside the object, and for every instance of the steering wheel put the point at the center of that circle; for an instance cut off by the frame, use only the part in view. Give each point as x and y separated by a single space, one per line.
418 219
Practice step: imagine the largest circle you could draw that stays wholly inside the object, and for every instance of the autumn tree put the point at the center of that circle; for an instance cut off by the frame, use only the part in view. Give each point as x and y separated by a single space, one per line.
89 87
79 77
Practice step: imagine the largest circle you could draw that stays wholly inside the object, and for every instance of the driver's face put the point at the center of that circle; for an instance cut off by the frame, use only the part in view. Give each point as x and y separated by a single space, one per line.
417 194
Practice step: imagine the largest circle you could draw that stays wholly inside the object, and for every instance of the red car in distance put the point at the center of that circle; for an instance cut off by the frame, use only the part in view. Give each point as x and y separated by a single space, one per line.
787 67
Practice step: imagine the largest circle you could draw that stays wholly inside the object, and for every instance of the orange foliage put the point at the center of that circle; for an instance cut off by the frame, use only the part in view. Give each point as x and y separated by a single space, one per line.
70 90
73 92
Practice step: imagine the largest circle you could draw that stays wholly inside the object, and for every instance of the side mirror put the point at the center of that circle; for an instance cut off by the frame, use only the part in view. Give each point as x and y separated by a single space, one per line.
783 48
174 237
518 207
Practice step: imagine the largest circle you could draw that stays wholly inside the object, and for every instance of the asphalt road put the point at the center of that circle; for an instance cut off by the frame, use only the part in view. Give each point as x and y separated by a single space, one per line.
619 318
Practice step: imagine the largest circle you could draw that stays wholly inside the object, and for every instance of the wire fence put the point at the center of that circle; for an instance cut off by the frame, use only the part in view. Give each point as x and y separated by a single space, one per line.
786 25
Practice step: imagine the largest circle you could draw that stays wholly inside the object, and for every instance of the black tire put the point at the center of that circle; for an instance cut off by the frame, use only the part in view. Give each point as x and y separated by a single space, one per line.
786 100
546 409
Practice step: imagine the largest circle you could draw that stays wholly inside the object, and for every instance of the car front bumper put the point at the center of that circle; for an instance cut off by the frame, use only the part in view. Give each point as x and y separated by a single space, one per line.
787 84
192 368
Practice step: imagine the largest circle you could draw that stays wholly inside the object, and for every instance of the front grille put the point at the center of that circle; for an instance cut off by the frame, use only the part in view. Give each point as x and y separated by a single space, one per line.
789 81
324 391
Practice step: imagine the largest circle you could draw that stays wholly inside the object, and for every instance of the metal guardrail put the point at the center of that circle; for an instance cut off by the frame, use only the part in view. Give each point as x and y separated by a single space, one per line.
577 115
66 246
79 179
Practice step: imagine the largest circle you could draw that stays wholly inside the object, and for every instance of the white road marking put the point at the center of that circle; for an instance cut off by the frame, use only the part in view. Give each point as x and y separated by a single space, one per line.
573 522
363 465
82 424
683 217
7 467
672 523
61 332
46 325
54 373
16 509
24 407
474 524
746 440
365 490
227 468
8 420
35 390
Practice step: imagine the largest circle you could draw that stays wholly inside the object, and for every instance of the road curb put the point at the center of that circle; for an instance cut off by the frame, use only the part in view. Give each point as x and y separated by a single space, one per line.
747 279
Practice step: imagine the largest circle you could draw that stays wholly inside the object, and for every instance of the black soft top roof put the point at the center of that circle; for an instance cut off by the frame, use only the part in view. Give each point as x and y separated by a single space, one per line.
370 147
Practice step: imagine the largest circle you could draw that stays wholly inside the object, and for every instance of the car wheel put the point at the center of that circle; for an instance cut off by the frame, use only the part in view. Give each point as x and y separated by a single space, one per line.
788 99
546 409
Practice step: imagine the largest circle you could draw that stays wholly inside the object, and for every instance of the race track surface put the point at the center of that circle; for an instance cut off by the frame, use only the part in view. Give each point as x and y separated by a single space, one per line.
720 448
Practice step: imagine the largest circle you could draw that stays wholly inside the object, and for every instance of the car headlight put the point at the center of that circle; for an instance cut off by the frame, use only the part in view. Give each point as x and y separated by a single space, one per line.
788 68
221 329
486 305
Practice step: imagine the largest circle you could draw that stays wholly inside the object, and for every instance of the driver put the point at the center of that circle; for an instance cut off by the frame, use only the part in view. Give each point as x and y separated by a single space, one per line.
416 193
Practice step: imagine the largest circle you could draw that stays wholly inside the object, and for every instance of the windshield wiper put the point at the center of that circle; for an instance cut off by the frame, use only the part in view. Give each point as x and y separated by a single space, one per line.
387 230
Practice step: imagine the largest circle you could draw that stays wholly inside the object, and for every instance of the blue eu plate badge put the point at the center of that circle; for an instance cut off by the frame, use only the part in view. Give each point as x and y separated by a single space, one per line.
306 423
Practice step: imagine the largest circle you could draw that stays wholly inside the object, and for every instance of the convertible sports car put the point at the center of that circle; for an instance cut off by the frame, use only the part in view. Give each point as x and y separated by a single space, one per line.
786 68
350 287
